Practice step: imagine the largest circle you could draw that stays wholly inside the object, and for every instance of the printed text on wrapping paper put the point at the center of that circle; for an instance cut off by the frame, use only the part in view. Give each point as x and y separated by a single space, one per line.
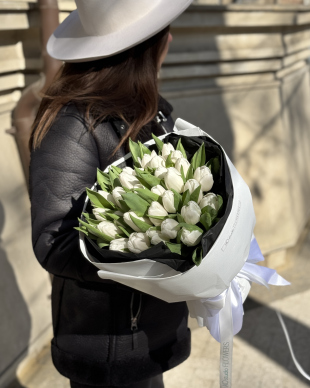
233 228
225 364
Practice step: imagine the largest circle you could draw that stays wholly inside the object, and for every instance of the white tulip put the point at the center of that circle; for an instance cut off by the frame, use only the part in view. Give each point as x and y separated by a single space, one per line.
156 209
130 223
117 195
190 238
167 148
119 244
175 155
99 211
109 229
156 236
170 228
205 178
107 196
128 180
138 242
173 180
155 162
210 199
191 213
158 189
182 162
146 158
192 185
168 201
160 172
129 170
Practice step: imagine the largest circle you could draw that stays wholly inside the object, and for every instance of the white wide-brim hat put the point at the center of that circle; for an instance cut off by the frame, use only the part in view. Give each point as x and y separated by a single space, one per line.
102 28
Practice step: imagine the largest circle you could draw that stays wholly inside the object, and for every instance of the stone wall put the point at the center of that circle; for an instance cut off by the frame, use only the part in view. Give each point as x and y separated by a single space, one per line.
240 72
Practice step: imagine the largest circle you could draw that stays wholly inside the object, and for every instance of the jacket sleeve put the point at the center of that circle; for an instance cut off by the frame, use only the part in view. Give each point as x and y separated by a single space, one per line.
60 170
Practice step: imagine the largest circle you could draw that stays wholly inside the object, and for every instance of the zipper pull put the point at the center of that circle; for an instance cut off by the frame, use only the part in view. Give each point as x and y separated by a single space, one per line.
134 324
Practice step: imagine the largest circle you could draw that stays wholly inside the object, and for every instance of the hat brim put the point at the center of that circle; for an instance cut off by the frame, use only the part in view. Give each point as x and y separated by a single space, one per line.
70 43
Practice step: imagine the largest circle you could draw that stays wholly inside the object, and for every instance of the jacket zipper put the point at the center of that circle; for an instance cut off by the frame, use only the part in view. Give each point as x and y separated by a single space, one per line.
160 119
134 320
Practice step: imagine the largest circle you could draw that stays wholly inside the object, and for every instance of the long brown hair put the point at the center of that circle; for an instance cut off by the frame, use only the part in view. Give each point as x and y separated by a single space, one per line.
123 86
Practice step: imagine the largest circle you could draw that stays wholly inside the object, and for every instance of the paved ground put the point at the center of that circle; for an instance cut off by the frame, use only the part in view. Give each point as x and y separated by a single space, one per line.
261 357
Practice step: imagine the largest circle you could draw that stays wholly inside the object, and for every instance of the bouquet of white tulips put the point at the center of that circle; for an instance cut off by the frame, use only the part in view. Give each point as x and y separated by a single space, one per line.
172 203
169 194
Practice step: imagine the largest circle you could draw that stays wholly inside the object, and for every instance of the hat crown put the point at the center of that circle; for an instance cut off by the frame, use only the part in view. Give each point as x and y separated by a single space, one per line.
101 17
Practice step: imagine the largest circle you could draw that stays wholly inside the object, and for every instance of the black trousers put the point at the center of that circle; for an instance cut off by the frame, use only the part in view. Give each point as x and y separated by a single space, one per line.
154 382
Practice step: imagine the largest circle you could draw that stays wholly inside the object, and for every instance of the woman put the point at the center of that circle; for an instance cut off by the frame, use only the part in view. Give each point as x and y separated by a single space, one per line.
105 334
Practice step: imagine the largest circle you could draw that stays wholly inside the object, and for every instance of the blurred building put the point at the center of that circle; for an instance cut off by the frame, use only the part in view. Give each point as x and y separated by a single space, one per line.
238 70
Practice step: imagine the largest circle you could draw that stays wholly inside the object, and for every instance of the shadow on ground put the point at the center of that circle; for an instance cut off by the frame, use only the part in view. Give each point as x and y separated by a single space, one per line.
262 330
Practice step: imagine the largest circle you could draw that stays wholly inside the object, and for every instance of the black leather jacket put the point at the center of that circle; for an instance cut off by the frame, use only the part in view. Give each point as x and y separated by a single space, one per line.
93 338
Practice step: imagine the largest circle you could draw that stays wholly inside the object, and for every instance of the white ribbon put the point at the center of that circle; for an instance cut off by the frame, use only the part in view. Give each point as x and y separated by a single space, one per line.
223 314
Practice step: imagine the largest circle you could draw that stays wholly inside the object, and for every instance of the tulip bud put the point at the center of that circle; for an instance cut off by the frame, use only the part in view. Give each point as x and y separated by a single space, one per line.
109 229
156 236
190 238
167 148
182 162
192 185
204 176
156 210
107 196
168 201
156 161
130 223
138 242
175 155
173 180
191 213
146 158
117 195
99 211
128 180
158 189
160 172
119 244
170 228
129 170
210 199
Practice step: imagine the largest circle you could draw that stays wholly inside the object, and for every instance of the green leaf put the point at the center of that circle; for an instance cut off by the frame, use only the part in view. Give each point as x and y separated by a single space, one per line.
173 215
135 151
179 236
195 194
148 195
174 248
214 166
103 177
112 216
96 232
143 149
98 200
183 175
180 218
190 227
198 159
220 199
116 169
181 148
186 197
210 210
136 204
169 162
124 206
143 226
206 221
101 243
177 200
163 184
190 173
124 230
148 178
197 256
158 142
158 217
